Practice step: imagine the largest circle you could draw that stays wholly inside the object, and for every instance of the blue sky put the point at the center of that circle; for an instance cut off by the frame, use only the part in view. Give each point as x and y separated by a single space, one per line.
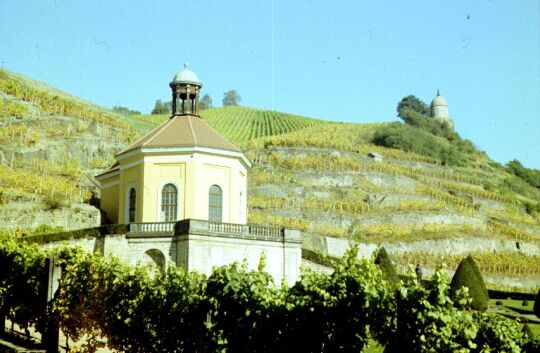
338 60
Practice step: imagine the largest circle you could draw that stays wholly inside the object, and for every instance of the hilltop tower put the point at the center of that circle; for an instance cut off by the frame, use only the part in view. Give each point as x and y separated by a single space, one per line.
185 92
439 109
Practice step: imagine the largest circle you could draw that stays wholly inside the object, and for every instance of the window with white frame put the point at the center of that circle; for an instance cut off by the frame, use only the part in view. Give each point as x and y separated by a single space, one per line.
215 204
169 203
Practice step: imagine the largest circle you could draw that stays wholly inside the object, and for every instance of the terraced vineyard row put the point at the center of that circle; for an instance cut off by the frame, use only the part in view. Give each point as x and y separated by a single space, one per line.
506 264
518 234
325 162
11 109
262 156
55 189
376 233
344 137
340 206
54 104
241 124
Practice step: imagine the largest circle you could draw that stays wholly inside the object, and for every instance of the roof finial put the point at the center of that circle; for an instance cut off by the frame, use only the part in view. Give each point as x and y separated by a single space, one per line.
186 65
438 94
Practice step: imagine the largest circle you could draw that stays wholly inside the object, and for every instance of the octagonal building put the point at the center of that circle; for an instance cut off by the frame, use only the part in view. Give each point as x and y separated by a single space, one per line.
182 169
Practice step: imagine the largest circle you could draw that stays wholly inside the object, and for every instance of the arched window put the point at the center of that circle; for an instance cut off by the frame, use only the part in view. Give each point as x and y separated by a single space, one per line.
215 204
132 205
169 203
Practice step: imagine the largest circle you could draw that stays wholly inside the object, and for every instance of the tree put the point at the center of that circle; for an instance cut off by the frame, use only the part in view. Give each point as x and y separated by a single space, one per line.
125 110
231 97
468 275
413 103
387 267
531 176
205 102
161 108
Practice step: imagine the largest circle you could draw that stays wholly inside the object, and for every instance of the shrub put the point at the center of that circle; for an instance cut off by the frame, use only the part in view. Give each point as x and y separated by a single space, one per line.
387 267
533 346
498 302
527 332
497 332
236 310
413 139
468 275
427 320
536 308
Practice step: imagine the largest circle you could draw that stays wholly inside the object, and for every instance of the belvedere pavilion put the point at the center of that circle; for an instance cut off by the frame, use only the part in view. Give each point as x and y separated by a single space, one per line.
182 190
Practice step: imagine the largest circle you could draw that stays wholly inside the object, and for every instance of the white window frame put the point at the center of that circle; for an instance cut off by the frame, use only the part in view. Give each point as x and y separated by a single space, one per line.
159 216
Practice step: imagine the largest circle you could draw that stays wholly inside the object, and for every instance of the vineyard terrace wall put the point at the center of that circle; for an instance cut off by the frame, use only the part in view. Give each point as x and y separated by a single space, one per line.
197 245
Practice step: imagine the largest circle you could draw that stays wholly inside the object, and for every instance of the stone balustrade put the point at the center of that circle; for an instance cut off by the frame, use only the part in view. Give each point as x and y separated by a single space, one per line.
195 226
151 227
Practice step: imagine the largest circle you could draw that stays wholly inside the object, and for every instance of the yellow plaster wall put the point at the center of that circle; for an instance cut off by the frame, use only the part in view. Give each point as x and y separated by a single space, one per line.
215 174
193 174
157 175
131 177
109 197
230 176
190 190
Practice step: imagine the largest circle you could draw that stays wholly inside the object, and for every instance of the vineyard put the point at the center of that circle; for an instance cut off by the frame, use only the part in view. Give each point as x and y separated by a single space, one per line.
340 136
11 109
308 174
505 264
342 193
54 104
132 309
446 186
56 191
242 124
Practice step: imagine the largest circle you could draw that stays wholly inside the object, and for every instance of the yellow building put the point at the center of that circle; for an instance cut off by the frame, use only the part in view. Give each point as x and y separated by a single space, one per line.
182 169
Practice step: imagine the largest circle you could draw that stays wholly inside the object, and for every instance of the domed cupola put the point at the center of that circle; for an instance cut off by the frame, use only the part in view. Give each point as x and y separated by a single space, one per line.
439 107
439 110
185 91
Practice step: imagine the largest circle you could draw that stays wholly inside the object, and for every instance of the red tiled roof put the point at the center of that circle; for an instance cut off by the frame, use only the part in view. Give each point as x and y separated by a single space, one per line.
183 131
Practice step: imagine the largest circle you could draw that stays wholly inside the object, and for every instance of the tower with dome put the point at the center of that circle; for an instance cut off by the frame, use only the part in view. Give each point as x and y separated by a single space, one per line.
439 110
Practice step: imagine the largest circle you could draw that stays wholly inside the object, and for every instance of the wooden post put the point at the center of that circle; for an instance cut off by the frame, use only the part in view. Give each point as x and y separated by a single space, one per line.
52 334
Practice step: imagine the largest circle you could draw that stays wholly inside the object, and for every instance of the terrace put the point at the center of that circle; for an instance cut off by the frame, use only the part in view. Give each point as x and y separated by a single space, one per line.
201 227
174 229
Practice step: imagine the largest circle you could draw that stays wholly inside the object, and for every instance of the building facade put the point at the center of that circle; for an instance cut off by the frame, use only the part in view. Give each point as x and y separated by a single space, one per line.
182 191
182 169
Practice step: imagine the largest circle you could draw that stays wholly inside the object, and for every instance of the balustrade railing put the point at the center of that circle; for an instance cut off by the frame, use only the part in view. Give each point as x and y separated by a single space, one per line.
189 225
151 227
226 227
265 231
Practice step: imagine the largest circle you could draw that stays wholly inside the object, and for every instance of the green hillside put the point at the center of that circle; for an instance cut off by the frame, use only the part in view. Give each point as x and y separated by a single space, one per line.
432 199
241 125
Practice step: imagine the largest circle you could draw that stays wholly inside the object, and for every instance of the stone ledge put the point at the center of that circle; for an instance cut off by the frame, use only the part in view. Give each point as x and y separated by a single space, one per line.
215 229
